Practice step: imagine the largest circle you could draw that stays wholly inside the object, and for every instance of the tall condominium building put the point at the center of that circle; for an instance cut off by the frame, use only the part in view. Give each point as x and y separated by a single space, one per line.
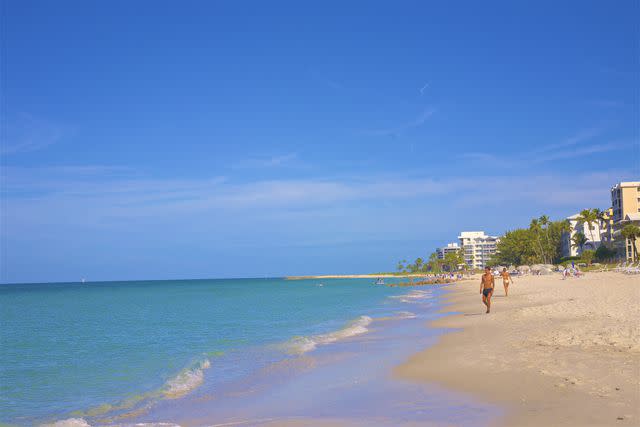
625 199
625 202
478 247
451 247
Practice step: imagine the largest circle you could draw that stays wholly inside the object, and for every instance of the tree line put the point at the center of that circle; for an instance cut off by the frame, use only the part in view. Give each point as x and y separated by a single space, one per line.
540 243
452 261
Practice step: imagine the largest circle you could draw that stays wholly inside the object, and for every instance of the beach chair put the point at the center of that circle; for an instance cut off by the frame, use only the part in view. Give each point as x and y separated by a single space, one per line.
632 269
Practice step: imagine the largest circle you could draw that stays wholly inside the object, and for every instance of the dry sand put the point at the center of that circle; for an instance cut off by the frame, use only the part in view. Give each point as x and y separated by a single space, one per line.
553 353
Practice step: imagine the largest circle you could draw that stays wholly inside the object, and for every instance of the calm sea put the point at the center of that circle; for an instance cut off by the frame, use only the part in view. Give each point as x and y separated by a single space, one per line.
96 350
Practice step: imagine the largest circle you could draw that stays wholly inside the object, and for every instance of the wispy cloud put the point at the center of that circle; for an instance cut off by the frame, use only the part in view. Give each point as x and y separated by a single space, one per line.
580 137
425 87
67 217
103 196
479 157
581 144
282 160
584 151
397 130
26 133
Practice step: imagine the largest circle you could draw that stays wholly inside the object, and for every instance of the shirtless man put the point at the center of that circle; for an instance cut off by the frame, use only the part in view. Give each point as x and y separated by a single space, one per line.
486 288
506 281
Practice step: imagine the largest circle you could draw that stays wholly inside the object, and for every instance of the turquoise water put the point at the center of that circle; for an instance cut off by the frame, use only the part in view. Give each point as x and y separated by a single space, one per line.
71 349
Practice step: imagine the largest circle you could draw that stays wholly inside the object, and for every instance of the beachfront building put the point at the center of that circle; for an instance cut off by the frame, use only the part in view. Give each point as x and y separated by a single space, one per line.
478 247
625 202
593 235
625 199
623 246
606 228
451 247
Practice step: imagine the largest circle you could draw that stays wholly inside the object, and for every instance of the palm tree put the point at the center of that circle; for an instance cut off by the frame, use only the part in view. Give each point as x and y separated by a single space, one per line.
534 227
565 226
578 240
544 223
433 262
589 216
603 223
631 232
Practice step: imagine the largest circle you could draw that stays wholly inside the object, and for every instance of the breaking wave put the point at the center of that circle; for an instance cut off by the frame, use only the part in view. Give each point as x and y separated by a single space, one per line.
414 296
186 381
301 345
69 422
404 315
398 315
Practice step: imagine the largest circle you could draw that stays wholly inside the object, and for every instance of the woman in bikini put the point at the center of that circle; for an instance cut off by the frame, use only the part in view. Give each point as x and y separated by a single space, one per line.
506 281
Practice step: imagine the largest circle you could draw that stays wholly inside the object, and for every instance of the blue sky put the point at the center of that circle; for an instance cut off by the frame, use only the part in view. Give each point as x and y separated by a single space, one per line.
162 140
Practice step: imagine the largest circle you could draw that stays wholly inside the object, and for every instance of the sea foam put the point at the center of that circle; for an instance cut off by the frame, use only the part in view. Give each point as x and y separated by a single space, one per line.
414 296
69 422
187 380
301 345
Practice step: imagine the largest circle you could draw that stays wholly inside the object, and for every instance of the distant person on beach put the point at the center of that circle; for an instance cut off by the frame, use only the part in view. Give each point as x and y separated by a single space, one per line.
486 287
506 281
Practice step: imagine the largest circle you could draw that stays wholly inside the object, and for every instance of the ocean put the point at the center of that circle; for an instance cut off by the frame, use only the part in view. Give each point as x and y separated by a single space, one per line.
105 352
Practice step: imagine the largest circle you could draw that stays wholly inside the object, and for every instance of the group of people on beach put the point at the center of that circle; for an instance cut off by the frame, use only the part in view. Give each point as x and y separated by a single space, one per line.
487 283
572 271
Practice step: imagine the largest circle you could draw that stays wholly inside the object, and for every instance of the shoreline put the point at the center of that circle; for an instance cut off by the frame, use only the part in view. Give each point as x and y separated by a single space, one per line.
554 352
353 276
352 364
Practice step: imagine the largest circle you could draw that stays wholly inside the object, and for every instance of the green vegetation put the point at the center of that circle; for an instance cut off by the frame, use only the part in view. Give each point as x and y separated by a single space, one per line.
605 254
540 243
589 217
451 262
578 240
588 256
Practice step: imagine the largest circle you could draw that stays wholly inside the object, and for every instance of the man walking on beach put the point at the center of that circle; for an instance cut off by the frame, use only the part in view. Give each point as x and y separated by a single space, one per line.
486 288
506 281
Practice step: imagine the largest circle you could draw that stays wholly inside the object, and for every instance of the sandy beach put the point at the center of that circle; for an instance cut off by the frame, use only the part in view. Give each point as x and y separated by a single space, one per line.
554 352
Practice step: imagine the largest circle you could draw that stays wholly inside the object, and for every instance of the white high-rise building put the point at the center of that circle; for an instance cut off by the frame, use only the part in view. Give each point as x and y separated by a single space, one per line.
451 247
593 236
478 247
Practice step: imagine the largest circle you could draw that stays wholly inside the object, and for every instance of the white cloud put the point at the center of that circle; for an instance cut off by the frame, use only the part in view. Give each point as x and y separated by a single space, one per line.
580 137
25 133
571 148
584 151
290 159
107 196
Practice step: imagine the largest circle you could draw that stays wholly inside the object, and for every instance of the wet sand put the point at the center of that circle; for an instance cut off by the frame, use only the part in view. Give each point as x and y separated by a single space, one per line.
554 352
